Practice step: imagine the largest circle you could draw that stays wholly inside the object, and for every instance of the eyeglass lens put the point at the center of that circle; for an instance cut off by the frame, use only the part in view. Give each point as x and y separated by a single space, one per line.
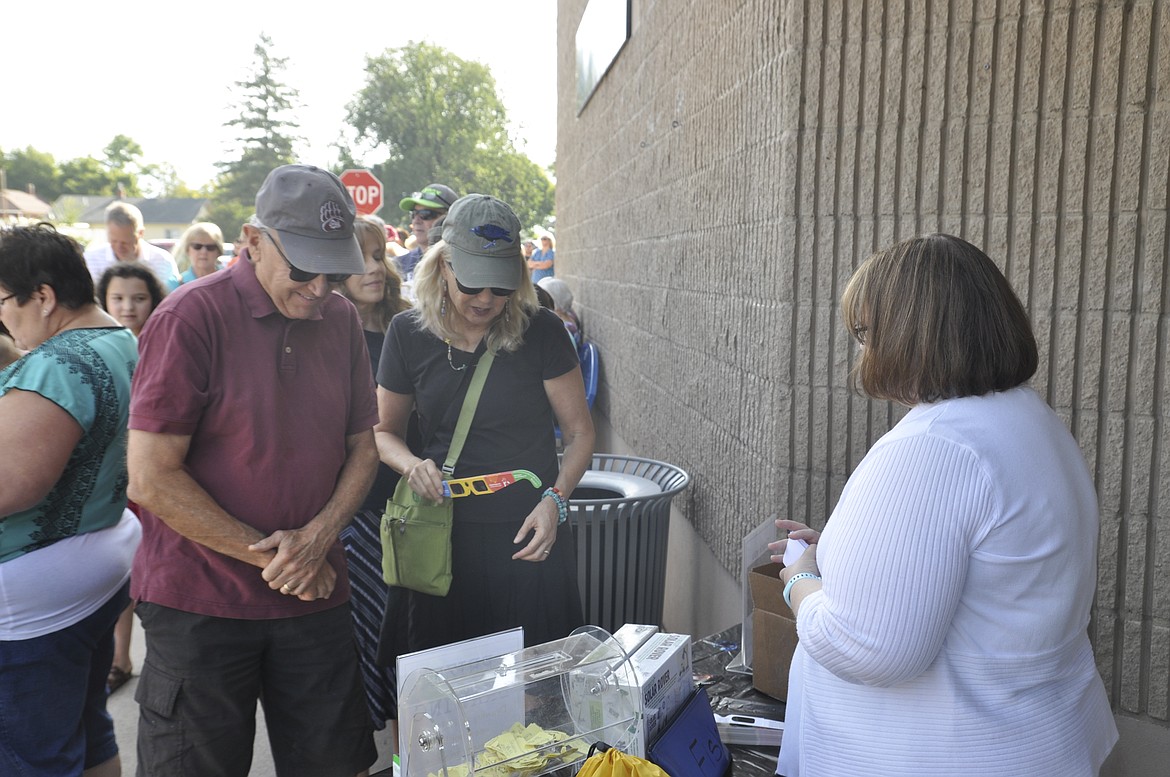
303 276
472 292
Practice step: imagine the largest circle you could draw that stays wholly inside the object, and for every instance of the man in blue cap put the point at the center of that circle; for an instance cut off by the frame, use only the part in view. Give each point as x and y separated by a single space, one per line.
251 447
425 208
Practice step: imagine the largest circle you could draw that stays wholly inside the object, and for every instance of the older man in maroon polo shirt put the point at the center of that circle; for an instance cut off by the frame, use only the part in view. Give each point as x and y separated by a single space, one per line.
251 446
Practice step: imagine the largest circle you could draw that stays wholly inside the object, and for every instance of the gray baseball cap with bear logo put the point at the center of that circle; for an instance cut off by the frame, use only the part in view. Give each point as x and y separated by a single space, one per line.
313 213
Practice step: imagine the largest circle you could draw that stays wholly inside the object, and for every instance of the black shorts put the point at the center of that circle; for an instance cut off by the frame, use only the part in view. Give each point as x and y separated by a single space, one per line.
202 678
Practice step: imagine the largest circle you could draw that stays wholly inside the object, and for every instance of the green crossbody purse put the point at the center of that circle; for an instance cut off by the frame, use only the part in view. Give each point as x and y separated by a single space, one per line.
416 533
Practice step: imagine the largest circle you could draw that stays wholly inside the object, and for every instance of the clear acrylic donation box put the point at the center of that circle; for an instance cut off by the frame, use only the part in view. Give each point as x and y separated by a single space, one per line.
528 713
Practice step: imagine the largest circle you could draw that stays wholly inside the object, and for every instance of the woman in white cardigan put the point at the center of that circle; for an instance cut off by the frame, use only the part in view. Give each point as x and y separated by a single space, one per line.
943 612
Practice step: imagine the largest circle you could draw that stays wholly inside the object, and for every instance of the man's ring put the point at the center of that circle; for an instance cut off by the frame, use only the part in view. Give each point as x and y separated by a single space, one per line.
546 553
285 589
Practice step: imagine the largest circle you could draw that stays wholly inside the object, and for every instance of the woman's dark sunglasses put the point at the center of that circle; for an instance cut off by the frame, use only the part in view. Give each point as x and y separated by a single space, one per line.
303 276
469 291
205 247
476 292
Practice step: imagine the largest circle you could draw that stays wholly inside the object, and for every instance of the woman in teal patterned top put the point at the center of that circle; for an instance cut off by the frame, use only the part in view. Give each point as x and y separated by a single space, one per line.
66 538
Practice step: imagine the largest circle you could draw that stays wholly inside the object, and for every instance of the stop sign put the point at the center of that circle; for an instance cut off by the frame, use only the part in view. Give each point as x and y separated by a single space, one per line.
365 189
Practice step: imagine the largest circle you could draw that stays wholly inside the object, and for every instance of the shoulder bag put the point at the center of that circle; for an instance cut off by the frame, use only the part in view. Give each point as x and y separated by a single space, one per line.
416 533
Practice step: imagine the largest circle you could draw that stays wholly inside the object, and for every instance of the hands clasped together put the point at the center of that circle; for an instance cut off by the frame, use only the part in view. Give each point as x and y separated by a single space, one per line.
299 567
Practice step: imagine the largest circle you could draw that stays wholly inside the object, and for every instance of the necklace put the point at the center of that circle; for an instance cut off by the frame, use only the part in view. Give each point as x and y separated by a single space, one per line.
461 367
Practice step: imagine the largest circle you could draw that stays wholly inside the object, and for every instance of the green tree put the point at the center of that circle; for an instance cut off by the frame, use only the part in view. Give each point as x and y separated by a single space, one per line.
123 155
27 166
431 116
267 138
163 180
86 175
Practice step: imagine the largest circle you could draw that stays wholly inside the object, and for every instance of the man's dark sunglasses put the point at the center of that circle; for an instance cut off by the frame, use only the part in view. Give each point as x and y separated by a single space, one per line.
426 214
303 276
469 291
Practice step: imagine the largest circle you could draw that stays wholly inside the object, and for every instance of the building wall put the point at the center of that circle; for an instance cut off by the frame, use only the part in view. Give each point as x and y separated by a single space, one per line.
742 157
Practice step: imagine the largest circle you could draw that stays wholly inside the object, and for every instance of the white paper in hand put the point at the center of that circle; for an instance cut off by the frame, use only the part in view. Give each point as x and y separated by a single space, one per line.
793 551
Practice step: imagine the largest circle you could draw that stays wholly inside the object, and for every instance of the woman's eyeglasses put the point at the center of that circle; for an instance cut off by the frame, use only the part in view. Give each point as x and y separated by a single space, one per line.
496 290
859 332
303 276
426 214
473 292
205 247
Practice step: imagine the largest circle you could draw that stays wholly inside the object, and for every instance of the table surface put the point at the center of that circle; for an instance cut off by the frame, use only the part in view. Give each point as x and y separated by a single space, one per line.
731 692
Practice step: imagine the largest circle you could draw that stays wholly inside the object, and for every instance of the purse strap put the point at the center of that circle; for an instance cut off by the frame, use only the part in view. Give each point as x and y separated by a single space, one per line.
465 414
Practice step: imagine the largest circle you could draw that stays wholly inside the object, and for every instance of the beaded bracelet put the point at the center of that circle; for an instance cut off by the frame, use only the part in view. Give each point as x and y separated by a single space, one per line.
793 579
562 503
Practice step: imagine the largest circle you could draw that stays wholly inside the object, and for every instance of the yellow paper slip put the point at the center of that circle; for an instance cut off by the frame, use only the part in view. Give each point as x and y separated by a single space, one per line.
528 750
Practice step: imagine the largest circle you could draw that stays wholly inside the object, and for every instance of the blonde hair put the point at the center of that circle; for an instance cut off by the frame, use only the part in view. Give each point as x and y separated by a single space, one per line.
204 229
506 332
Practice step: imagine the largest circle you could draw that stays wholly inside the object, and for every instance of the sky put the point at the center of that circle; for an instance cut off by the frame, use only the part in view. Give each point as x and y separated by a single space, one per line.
162 73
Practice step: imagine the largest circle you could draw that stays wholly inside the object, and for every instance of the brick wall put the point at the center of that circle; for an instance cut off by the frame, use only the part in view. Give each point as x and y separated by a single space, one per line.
741 158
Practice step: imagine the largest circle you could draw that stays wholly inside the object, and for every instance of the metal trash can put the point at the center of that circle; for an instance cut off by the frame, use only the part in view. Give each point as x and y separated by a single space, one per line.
620 514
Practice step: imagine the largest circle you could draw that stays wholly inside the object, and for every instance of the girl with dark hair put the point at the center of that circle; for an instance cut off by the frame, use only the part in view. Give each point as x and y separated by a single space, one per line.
130 291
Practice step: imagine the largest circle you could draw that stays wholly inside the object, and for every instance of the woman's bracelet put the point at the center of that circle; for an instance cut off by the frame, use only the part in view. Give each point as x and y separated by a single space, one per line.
793 579
562 503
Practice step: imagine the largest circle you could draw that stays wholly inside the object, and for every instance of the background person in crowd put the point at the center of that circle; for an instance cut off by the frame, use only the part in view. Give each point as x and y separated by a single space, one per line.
239 248
124 243
543 298
394 246
949 632
129 292
425 208
562 297
251 447
377 295
541 262
513 554
199 250
67 539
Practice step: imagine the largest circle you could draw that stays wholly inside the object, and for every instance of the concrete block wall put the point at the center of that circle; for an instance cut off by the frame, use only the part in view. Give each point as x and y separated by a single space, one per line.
741 157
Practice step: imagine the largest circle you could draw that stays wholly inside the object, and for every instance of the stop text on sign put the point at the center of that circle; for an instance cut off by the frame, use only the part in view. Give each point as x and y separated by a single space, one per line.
365 189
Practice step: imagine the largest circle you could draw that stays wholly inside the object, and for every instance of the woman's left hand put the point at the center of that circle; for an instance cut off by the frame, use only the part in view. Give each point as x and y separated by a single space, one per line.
806 563
542 523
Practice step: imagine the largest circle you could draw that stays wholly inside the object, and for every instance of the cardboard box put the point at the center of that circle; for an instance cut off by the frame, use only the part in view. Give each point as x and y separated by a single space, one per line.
773 632
662 709
633 635
655 682
663 668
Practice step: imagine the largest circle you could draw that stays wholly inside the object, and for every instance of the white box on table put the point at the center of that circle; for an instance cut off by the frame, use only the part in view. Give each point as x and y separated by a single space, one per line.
663 668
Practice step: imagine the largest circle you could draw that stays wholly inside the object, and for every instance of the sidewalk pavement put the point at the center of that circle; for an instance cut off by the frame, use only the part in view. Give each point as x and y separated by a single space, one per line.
124 710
